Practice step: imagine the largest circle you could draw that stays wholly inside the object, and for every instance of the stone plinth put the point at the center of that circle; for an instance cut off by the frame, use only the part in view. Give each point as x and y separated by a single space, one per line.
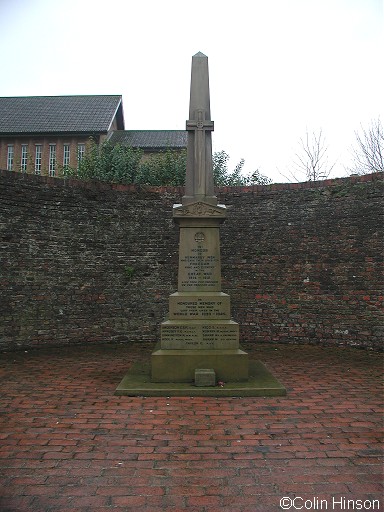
199 332
180 365
260 382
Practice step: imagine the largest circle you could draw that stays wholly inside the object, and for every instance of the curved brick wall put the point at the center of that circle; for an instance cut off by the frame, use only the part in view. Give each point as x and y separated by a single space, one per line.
302 262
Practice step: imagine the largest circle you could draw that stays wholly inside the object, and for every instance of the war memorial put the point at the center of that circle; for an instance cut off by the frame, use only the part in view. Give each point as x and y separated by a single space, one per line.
199 347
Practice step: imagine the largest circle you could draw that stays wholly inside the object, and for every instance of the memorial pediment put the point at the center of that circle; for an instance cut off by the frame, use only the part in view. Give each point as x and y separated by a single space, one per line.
199 209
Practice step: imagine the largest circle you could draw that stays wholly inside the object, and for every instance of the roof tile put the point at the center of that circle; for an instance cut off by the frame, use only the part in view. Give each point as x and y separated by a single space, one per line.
150 139
48 114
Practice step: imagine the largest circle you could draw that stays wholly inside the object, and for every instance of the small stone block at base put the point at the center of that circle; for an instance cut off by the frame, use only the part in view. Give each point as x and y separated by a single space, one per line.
205 377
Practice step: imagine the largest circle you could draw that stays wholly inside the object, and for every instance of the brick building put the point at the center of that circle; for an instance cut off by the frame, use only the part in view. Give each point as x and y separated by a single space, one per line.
42 134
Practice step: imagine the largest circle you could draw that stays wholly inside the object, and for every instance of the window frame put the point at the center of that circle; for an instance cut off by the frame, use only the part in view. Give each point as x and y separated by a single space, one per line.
52 160
24 158
66 155
38 158
80 152
10 156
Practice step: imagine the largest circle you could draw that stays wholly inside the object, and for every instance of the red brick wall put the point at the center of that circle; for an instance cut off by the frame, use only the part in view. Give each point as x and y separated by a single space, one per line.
303 262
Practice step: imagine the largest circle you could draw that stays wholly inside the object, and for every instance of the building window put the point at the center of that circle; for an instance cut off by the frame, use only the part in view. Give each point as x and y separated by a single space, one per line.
52 159
66 156
24 158
80 152
10 155
38 159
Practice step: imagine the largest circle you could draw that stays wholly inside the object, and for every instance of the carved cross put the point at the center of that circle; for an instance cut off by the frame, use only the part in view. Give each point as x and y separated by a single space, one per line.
200 123
200 126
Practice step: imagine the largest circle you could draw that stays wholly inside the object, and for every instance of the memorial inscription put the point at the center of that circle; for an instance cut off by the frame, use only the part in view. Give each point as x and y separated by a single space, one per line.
199 335
199 306
199 260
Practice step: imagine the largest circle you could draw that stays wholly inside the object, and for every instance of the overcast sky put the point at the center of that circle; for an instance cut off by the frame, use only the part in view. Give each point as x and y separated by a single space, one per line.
277 67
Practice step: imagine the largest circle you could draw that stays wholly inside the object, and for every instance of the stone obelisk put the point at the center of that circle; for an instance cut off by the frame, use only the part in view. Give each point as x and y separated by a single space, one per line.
199 333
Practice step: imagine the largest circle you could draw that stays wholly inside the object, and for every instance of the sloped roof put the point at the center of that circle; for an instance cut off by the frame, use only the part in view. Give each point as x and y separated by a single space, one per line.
59 114
150 139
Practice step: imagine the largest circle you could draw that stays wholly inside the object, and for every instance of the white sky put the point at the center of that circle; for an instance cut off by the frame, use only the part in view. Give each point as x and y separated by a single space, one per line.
277 67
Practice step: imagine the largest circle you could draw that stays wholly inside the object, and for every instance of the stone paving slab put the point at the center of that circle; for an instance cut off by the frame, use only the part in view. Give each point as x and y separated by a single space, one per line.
67 443
261 382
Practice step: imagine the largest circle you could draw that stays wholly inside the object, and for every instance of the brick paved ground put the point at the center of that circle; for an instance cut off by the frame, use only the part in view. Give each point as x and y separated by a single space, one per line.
68 444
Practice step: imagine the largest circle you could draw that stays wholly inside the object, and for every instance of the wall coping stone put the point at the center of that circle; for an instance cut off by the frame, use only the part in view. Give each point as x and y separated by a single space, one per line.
163 190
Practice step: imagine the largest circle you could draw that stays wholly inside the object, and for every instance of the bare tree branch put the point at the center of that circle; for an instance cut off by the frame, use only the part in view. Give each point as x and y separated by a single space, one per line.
312 159
368 155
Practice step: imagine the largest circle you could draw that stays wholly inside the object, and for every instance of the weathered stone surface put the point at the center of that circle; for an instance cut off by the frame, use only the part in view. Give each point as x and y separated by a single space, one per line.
205 377
180 365
199 210
137 382
198 306
199 259
199 334
199 176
